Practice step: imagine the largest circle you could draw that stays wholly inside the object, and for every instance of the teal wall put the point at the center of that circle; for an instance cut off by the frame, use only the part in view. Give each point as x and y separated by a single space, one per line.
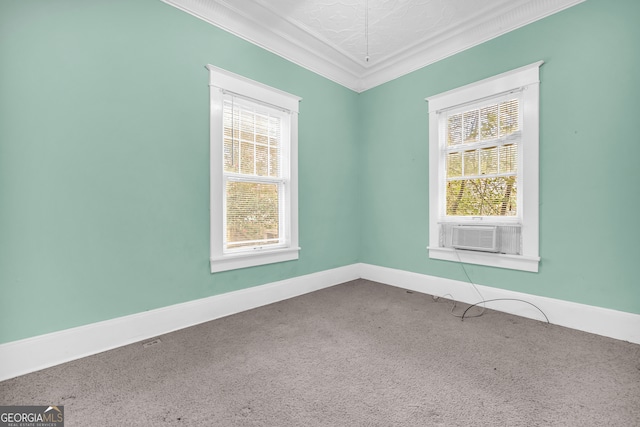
104 162
589 157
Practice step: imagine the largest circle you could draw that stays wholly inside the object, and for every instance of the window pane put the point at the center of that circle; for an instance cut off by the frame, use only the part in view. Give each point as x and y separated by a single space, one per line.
274 162
471 162
230 130
454 165
489 122
509 117
509 158
262 160
231 120
495 196
454 130
262 129
274 131
252 214
471 119
230 156
256 141
489 161
247 157
247 121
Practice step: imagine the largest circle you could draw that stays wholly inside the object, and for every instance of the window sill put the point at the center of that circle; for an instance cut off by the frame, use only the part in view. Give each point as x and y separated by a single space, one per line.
513 262
252 259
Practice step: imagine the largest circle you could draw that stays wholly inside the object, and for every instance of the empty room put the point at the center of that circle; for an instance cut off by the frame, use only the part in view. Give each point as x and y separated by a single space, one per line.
319 213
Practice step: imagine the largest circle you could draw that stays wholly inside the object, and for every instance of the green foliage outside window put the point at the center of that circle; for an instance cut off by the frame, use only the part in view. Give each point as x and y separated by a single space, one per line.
481 178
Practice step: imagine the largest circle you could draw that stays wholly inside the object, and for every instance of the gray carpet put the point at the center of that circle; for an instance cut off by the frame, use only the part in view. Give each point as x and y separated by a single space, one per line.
357 354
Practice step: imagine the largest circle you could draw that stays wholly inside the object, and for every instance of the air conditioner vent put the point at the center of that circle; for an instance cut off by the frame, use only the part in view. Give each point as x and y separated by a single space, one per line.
477 238
504 239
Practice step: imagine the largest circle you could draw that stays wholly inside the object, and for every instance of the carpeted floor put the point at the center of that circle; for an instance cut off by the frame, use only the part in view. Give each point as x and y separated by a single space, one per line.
357 354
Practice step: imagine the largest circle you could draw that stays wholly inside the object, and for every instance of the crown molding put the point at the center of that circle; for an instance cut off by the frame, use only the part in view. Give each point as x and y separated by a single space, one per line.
454 41
277 35
264 27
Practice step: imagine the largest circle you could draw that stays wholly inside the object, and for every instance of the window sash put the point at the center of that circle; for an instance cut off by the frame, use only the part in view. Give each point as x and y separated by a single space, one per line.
239 245
250 128
462 146
243 132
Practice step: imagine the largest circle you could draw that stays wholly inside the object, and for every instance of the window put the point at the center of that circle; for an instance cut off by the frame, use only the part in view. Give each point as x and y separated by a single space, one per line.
254 204
483 171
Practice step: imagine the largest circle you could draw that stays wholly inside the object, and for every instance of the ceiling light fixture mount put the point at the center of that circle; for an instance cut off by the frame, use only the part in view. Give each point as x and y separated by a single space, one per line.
366 29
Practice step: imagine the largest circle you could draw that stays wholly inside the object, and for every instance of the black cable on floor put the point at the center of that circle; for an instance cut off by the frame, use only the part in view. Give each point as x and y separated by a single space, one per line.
505 299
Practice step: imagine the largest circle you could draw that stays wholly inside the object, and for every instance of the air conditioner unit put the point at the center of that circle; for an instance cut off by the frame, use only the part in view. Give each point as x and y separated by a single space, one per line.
475 237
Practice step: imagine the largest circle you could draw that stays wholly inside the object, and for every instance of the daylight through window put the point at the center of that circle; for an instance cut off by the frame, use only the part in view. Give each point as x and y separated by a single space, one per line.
483 171
481 158
254 182
254 188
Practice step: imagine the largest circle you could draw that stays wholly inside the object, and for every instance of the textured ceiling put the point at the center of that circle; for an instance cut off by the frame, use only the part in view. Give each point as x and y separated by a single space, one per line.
330 36
394 25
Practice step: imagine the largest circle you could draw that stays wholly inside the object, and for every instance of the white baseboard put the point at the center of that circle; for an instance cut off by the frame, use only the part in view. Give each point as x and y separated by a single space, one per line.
43 351
32 354
596 320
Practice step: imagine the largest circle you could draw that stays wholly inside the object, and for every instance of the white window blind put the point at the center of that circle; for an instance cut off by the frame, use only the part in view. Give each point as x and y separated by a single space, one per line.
254 172
480 147
254 177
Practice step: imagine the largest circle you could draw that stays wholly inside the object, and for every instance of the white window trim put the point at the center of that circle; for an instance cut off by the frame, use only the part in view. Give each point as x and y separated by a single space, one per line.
221 81
527 76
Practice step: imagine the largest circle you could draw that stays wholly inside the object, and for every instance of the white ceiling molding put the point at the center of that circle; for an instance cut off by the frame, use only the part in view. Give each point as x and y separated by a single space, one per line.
327 36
